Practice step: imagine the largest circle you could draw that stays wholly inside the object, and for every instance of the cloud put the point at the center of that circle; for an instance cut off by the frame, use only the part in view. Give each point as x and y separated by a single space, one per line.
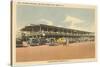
73 22
73 19
92 27
45 21
59 25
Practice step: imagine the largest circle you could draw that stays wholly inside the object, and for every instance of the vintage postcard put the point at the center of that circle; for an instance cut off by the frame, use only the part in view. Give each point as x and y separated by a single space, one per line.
45 33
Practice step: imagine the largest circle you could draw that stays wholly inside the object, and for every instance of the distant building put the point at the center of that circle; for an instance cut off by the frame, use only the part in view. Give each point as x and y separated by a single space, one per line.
47 31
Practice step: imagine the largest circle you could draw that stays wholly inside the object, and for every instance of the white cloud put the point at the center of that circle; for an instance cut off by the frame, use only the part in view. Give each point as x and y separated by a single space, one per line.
59 25
73 22
48 22
92 27
73 19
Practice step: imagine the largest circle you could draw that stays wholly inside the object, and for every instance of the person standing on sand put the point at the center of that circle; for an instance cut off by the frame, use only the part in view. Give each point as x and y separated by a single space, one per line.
64 41
67 42
24 39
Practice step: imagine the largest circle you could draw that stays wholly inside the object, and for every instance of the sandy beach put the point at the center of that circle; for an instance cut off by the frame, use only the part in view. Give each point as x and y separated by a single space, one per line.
60 52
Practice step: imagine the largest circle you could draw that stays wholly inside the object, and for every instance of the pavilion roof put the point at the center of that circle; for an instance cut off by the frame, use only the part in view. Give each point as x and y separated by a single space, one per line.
35 27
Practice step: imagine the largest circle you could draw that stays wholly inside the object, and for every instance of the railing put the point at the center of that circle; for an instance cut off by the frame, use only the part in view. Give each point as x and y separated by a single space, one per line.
60 33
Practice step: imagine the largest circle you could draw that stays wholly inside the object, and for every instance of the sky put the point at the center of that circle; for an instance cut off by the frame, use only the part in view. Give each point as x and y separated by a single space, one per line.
73 18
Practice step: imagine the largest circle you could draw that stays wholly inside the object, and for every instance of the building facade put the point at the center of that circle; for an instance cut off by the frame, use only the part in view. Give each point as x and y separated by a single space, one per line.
46 31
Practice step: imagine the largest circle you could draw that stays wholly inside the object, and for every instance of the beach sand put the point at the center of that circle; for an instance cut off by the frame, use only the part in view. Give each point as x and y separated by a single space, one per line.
60 52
